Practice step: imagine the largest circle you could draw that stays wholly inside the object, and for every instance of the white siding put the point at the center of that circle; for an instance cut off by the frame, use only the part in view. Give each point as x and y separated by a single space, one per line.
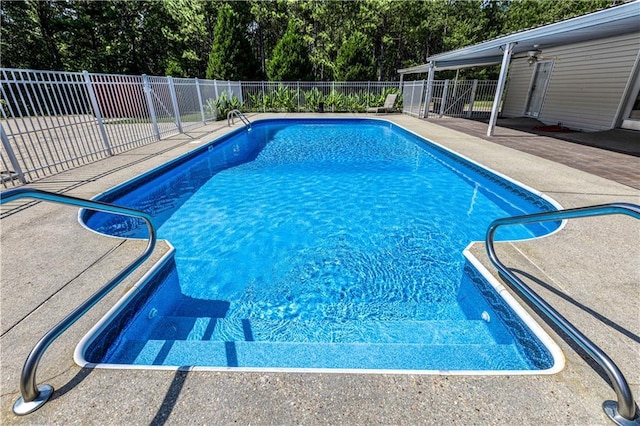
586 86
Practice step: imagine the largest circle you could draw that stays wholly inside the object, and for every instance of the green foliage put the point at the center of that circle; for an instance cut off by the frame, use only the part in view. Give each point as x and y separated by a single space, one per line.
522 14
293 40
354 61
290 60
188 36
312 99
286 99
231 57
220 107
291 99
334 101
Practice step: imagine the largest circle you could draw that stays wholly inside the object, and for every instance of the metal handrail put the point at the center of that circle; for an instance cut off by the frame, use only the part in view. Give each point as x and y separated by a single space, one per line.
237 113
34 396
624 411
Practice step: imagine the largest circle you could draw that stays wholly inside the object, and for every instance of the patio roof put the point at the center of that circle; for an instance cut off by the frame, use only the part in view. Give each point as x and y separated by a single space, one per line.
618 20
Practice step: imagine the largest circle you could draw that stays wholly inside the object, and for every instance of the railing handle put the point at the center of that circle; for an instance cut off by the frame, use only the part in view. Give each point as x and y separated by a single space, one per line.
33 396
240 115
624 411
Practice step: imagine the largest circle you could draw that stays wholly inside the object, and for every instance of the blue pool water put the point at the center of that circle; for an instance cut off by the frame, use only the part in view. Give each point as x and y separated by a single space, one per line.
320 244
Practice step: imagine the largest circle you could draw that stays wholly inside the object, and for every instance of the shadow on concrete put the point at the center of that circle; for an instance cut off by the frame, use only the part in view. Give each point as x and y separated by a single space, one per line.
170 399
603 319
560 332
75 381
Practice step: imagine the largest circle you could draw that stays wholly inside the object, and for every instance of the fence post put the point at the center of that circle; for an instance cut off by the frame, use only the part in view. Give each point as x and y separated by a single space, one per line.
473 98
96 111
421 96
12 157
204 121
240 96
174 102
413 99
215 88
443 101
152 109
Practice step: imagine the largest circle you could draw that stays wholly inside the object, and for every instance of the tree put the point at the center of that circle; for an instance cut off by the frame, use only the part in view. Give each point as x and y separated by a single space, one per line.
355 61
523 14
30 35
231 56
269 23
290 60
221 39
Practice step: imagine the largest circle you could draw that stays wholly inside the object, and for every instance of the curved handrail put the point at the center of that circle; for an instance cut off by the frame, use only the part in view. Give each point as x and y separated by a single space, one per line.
33 396
240 115
625 411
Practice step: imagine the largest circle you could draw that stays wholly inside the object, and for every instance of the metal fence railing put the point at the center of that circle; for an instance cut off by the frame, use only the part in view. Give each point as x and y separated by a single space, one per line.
313 96
413 94
452 98
52 121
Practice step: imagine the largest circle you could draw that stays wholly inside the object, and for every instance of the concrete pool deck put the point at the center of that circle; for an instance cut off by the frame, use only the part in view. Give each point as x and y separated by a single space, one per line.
589 271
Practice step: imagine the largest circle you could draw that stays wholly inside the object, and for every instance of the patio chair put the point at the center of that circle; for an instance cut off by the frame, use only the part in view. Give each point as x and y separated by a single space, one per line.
388 104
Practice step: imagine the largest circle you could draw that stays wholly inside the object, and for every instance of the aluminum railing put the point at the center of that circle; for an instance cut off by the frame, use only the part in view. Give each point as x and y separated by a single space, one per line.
450 98
306 96
624 411
33 395
52 121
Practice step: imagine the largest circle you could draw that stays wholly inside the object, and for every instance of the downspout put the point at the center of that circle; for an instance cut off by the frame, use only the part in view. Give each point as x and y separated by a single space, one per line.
506 58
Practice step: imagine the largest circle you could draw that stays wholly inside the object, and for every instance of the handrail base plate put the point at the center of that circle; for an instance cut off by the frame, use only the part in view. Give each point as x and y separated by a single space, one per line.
22 408
611 409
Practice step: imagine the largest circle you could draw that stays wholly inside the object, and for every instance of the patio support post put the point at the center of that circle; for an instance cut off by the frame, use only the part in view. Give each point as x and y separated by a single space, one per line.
506 58
427 101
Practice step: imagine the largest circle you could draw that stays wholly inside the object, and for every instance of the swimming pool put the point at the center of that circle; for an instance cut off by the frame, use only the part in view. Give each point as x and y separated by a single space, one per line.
320 244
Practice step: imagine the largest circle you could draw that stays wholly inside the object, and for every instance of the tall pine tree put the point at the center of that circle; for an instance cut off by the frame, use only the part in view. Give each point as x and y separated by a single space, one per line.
231 56
290 59
355 59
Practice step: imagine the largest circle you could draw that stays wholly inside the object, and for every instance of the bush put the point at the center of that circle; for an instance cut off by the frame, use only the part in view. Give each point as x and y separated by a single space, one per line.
220 107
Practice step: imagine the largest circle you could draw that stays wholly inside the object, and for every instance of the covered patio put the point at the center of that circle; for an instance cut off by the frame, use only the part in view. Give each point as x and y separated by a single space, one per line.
531 45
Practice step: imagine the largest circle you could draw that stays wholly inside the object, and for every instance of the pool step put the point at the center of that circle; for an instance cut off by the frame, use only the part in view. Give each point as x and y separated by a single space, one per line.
364 331
347 310
404 356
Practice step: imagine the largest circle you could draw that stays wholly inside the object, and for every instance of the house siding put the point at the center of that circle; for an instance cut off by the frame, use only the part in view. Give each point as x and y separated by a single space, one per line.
587 83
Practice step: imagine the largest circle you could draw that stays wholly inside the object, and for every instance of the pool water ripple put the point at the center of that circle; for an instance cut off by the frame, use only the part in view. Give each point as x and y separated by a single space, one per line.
338 233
